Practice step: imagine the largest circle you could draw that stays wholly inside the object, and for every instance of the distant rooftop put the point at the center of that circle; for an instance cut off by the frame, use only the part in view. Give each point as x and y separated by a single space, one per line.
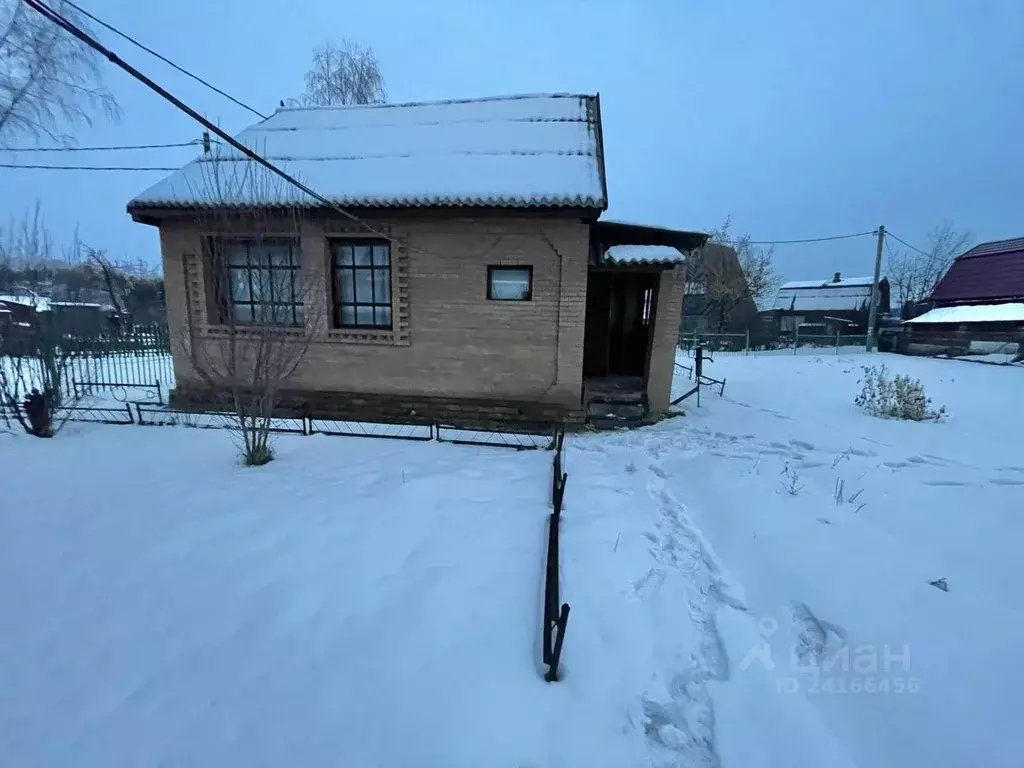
989 272
516 151
843 282
837 294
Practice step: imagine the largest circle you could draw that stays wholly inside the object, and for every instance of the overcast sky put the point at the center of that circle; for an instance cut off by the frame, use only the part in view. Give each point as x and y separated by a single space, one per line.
799 118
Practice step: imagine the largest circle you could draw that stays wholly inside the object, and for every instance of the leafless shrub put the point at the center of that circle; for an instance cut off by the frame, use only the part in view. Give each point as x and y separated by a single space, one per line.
34 380
347 73
34 359
48 80
262 306
899 397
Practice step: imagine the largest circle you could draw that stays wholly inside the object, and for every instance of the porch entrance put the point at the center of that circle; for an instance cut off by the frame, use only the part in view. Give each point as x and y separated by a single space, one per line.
618 333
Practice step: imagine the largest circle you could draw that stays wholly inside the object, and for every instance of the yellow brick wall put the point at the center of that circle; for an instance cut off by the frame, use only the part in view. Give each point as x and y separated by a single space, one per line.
666 338
449 339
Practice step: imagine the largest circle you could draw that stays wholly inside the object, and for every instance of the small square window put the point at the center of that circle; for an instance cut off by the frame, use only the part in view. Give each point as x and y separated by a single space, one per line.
510 283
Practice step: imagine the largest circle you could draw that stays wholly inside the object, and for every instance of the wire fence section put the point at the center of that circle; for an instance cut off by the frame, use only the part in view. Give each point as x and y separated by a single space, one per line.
138 358
795 343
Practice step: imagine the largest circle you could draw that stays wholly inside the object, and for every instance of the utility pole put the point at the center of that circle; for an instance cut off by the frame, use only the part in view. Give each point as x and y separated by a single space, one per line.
873 312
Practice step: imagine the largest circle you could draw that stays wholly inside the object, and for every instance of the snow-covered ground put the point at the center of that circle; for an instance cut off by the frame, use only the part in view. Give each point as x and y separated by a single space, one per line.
800 536
749 587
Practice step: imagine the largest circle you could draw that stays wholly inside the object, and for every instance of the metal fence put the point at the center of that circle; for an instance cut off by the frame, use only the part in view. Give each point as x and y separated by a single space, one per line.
747 343
556 613
82 365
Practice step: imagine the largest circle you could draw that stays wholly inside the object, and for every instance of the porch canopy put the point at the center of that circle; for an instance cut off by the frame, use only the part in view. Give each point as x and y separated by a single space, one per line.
618 243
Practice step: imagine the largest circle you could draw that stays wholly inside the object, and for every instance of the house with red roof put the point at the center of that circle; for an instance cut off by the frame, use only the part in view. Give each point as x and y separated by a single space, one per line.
979 299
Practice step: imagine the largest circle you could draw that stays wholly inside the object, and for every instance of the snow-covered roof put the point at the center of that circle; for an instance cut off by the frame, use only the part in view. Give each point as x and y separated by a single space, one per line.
844 295
516 151
846 282
977 313
823 299
40 303
644 254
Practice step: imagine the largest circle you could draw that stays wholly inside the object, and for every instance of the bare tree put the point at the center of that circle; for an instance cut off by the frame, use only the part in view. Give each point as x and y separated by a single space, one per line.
730 271
914 275
48 79
347 73
262 306
34 361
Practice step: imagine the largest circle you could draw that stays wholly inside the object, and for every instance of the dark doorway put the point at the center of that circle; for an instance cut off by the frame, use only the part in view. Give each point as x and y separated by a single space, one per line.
619 323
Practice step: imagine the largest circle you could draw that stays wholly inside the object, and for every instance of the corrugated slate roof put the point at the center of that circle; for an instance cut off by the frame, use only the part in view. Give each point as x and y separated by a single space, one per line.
517 151
644 254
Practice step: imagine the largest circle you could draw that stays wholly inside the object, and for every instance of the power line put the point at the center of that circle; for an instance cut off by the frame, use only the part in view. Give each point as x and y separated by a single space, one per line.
88 167
102 149
813 239
888 250
911 247
113 58
164 59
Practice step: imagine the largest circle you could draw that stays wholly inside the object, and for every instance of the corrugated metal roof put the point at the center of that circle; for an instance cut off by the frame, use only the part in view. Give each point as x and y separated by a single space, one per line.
988 272
845 282
819 298
519 151
644 254
974 313
995 246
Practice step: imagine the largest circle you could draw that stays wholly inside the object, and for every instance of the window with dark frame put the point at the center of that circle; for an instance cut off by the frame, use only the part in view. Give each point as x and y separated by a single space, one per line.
362 284
510 283
263 281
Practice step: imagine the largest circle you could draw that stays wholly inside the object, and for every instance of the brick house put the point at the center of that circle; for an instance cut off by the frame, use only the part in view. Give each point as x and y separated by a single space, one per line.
470 282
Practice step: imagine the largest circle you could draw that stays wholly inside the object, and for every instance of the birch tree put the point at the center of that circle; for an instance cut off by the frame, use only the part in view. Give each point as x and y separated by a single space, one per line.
346 73
49 81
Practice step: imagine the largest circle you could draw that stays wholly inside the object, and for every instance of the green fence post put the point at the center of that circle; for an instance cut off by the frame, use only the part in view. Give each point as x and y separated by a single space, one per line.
796 339
746 344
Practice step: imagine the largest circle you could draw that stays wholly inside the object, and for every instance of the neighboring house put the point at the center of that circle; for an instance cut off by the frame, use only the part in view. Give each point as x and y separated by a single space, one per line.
19 322
487 292
80 318
64 317
979 299
717 297
839 305
26 309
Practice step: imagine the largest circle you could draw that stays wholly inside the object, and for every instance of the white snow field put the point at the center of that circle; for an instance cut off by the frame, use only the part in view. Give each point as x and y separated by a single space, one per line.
749 587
